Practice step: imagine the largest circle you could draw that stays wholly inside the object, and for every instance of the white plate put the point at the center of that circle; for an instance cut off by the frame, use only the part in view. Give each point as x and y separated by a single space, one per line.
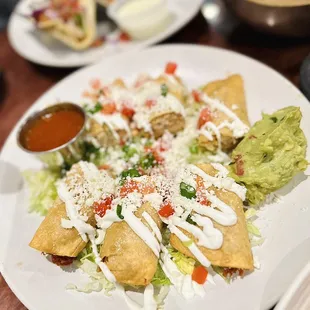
31 44
40 284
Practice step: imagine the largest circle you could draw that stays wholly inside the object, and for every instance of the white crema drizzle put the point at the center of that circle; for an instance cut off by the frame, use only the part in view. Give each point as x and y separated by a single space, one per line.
208 236
78 221
162 104
114 121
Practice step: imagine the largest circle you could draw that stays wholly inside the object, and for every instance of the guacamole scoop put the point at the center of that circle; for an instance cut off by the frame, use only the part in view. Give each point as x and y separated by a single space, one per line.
271 153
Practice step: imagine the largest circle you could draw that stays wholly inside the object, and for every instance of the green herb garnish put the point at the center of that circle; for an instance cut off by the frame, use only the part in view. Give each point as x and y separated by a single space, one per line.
148 143
190 220
133 173
89 151
119 212
147 161
274 119
78 20
164 90
129 151
194 149
187 190
95 109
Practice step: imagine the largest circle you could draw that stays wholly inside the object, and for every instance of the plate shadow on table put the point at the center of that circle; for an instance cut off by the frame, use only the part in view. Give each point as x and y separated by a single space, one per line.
299 178
11 179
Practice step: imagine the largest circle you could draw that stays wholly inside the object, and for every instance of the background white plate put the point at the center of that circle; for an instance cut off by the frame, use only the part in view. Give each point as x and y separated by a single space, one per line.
40 284
31 44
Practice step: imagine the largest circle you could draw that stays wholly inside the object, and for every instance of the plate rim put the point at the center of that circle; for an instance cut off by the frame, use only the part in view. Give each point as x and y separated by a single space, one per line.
144 44
277 74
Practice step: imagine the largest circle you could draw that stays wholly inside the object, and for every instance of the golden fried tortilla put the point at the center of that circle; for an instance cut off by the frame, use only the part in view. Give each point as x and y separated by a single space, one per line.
52 238
125 253
236 249
229 91
175 86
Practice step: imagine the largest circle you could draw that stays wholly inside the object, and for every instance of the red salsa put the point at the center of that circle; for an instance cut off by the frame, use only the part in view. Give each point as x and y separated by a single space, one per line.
53 129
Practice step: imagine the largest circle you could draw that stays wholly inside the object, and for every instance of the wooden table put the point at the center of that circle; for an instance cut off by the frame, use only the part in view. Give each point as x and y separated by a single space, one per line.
25 81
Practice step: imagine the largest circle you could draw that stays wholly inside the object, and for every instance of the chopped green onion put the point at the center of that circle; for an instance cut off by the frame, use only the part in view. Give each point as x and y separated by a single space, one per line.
164 90
190 220
78 20
130 173
129 151
194 149
187 190
95 109
148 143
147 161
119 212
88 150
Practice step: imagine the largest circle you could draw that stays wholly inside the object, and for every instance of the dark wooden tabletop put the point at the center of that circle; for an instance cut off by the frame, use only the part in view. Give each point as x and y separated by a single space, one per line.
25 81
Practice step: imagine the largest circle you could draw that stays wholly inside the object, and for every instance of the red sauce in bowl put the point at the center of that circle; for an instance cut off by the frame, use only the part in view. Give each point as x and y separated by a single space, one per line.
53 129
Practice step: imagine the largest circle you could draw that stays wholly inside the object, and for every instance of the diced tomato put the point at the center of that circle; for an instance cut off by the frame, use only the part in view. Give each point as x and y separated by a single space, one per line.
205 116
95 84
101 207
203 200
150 103
166 210
200 275
62 260
196 95
124 37
159 159
239 165
108 108
86 94
171 68
104 167
129 187
146 189
127 111
75 4
163 145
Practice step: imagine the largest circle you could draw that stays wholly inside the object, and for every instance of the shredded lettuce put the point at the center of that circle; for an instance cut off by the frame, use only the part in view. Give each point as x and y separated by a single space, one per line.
160 277
42 189
53 160
86 254
254 232
184 263
161 296
98 282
